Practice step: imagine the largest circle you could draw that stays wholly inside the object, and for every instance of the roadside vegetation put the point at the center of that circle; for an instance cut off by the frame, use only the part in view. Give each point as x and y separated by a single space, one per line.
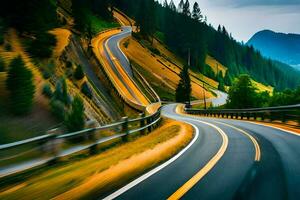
184 90
244 94
100 174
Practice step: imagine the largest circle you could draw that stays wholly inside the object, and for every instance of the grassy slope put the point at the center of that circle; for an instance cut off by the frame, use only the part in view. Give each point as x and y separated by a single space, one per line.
164 71
41 119
261 87
102 173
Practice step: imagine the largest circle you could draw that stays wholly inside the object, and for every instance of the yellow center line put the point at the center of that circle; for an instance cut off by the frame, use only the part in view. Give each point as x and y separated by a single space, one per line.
197 177
254 141
140 97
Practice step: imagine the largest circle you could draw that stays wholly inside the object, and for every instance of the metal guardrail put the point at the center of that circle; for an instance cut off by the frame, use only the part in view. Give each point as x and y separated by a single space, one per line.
50 147
282 113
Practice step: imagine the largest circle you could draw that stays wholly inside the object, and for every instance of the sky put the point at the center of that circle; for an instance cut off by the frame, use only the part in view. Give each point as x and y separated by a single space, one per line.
243 18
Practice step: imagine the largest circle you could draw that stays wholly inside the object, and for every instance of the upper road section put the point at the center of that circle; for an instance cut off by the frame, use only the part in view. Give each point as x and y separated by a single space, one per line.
117 67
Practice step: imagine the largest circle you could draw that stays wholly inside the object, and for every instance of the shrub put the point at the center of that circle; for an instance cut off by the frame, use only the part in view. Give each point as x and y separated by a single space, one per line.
78 74
69 64
57 109
7 47
85 89
42 46
47 91
2 65
75 118
20 86
126 44
61 92
46 74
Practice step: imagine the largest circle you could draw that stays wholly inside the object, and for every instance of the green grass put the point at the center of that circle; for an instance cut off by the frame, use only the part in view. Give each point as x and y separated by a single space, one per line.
163 91
160 36
99 24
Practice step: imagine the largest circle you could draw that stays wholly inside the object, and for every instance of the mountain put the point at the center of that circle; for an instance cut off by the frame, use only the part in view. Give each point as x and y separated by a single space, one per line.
279 46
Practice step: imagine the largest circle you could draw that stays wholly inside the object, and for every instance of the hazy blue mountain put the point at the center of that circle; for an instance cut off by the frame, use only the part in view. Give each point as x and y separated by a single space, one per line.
279 46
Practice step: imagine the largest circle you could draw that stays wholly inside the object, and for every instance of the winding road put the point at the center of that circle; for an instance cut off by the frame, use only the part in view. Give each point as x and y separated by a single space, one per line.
227 159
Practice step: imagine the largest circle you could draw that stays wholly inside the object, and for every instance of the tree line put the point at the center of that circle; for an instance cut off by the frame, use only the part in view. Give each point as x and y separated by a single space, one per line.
243 94
188 34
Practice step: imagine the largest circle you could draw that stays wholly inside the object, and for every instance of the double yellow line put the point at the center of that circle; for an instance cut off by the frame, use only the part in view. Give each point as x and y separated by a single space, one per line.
197 177
254 141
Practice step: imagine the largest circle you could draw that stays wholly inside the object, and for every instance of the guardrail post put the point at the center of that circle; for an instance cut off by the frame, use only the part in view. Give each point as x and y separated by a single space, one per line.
283 119
125 128
248 116
52 145
254 116
149 121
262 116
142 122
93 147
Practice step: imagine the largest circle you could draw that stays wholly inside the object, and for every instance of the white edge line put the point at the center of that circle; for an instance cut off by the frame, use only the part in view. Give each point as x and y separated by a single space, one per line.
251 122
274 127
155 170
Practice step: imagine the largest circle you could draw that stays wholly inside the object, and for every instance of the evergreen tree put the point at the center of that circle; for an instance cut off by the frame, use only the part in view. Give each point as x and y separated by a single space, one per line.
61 92
186 8
80 8
172 6
102 8
20 86
227 79
196 14
180 6
166 5
146 18
79 74
2 65
184 89
221 85
242 93
75 118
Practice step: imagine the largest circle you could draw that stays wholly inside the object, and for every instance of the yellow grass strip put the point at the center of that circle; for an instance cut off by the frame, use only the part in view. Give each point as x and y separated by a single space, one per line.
167 72
62 36
108 170
215 65
262 88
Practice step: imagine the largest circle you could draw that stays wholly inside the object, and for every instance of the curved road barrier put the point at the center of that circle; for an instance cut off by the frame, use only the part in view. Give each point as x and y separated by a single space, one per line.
26 154
256 158
282 113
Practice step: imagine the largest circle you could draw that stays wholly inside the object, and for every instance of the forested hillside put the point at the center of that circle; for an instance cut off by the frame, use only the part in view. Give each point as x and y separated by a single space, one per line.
186 31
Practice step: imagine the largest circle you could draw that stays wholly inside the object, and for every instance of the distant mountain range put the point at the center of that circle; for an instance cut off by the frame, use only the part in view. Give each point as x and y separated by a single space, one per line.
279 46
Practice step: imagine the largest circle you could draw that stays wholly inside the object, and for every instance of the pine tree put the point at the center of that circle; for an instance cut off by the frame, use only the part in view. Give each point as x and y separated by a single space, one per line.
180 6
20 86
79 74
242 93
186 8
166 4
61 92
184 89
227 79
75 118
146 18
196 14
172 6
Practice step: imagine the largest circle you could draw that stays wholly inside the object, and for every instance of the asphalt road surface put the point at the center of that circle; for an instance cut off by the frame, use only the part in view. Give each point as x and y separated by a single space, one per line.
257 162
